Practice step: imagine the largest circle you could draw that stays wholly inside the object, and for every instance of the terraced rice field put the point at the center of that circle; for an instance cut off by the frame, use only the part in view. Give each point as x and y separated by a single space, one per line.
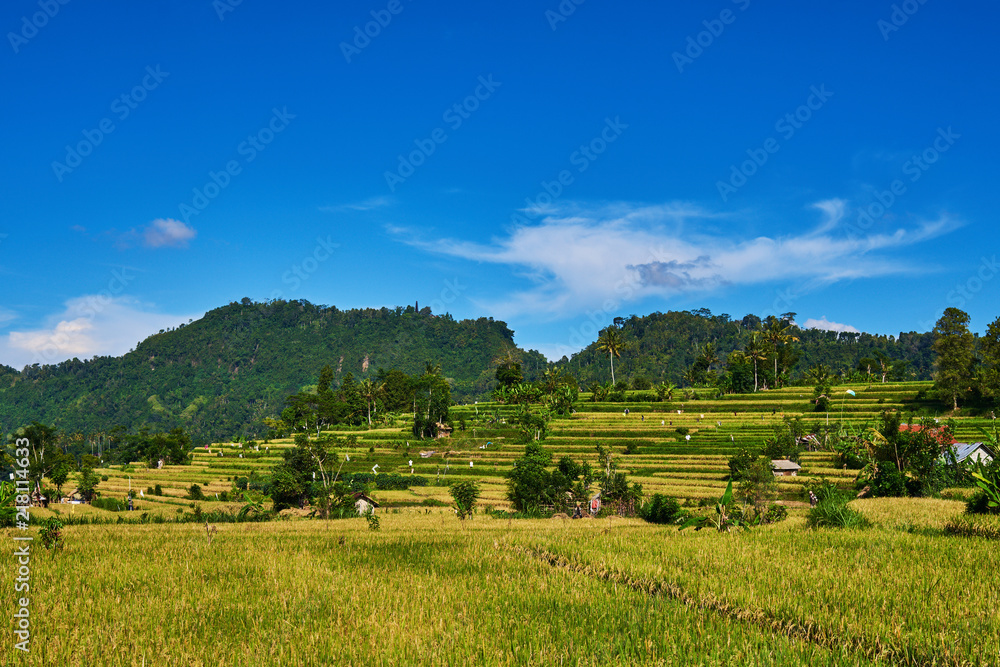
665 461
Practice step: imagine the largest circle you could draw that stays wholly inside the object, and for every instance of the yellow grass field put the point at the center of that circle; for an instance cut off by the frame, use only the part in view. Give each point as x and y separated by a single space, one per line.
428 590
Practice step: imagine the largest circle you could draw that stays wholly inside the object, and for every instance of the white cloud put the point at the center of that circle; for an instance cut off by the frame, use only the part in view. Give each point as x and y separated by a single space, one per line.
369 204
581 257
826 325
165 232
6 316
87 326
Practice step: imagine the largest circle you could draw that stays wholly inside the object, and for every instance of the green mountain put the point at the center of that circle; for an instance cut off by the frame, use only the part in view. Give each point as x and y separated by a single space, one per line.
219 376
662 346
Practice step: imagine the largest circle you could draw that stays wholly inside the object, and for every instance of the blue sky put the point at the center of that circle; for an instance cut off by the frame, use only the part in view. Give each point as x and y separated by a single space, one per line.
550 164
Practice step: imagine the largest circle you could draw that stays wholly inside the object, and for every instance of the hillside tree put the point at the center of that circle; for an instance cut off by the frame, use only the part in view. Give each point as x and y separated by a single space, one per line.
954 345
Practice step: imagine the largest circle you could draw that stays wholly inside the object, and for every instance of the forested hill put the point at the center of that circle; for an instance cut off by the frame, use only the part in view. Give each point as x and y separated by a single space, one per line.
663 346
219 376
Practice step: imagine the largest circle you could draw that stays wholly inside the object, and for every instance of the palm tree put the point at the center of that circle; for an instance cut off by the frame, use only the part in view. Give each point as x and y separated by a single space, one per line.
709 356
757 351
611 342
370 392
665 391
777 334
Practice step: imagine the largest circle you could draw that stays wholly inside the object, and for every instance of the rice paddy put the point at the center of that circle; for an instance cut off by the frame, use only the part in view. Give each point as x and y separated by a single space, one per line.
428 589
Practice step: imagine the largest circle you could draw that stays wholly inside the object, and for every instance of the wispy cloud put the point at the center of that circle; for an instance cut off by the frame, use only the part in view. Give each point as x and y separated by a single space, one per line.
160 233
167 233
579 256
827 325
369 204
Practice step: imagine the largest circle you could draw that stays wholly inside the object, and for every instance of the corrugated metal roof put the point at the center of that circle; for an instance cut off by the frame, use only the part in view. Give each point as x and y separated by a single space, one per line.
964 450
784 464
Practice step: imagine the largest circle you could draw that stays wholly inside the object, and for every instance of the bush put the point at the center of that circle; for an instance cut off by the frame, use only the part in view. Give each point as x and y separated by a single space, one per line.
104 478
108 504
465 495
979 503
51 533
661 509
157 490
888 481
740 464
631 448
834 513
641 383
682 430
775 513
195 493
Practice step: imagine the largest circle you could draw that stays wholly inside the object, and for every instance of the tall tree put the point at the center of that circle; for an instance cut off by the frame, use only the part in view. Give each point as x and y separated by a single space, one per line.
990 377
954 345
612 343
370 392
778 333
757 351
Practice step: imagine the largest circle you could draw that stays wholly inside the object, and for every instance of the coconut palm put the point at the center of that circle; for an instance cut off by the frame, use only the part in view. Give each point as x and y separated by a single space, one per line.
370 392
612 343
665 391
756 350
778 333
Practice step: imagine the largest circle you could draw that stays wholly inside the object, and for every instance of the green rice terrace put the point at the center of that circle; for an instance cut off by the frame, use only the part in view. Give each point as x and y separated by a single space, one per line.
680 448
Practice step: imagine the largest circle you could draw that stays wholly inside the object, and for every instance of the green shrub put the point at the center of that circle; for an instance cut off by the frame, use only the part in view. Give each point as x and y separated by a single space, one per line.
740 464
775 513
833 512
195 493
661 509
682 430
979 503
465 495
157 490
108 504
641 383
51 533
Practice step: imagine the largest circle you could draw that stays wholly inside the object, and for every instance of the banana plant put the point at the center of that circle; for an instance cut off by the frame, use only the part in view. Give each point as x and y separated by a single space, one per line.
989 486
727 516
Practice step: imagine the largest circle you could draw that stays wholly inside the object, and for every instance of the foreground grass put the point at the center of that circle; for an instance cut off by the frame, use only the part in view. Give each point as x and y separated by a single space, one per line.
910 598
422 591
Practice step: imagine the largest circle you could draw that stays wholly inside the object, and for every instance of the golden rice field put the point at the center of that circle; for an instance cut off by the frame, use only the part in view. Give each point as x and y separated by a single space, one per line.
426 590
